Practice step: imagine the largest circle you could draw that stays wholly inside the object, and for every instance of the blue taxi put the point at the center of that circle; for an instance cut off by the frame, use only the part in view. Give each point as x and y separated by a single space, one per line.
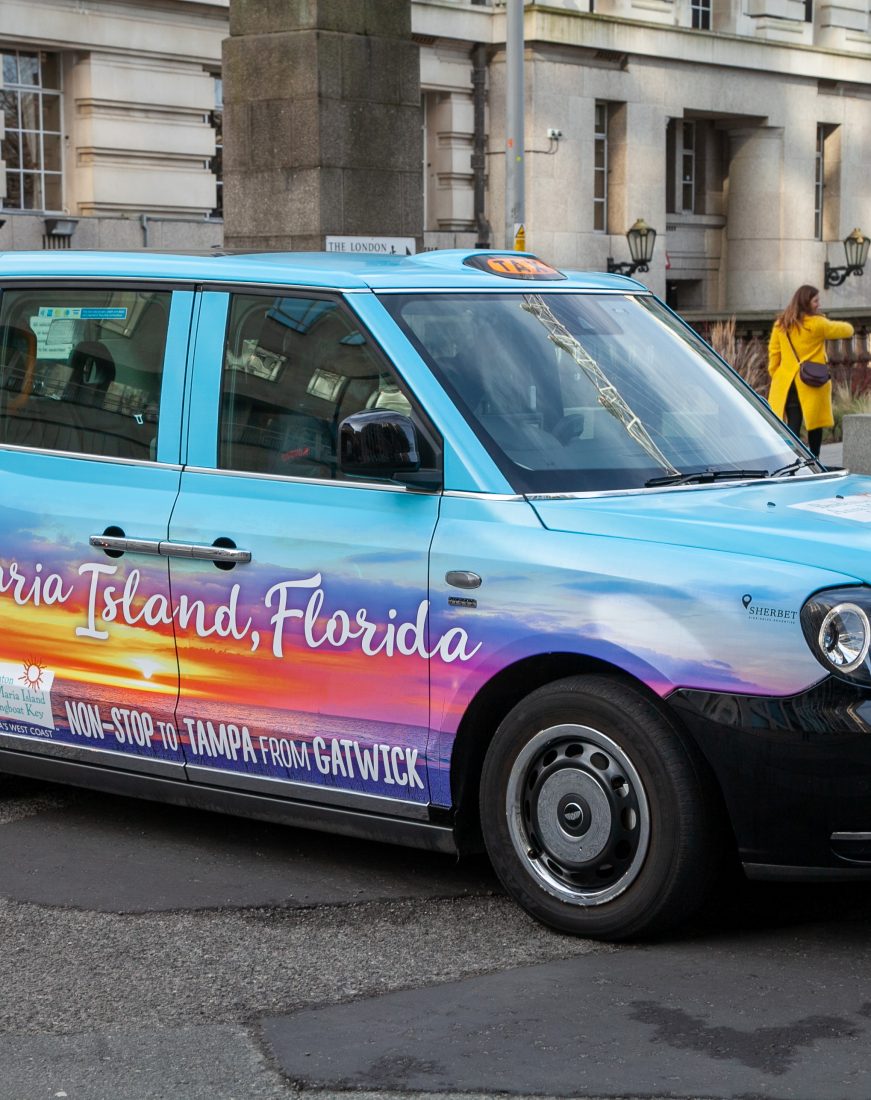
447 549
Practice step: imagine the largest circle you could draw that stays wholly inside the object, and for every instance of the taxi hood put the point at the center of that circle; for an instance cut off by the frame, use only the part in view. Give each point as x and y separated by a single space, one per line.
824 521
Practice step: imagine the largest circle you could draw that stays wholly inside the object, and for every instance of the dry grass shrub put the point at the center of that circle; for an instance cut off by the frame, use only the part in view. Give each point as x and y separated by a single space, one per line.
851 393
851 382
748 357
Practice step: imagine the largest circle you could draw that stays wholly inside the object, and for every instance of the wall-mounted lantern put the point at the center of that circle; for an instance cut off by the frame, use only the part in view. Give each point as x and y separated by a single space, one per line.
856 250
642 239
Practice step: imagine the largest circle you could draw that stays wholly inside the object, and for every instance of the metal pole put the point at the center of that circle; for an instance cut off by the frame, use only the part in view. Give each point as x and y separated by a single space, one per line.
515 198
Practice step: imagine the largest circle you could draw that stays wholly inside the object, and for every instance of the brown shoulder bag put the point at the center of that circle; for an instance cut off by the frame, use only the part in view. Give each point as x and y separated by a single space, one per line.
810 371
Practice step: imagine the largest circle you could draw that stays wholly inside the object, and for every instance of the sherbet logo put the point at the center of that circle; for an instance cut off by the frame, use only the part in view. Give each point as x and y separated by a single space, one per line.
767 614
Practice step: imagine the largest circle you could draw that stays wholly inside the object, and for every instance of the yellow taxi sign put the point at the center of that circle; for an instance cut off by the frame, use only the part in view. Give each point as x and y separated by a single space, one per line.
511 266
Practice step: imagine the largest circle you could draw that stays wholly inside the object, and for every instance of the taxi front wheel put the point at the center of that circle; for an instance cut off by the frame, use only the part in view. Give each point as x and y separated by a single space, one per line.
595 811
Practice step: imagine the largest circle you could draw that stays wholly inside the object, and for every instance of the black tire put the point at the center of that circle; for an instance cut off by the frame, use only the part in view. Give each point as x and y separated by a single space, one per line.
598 816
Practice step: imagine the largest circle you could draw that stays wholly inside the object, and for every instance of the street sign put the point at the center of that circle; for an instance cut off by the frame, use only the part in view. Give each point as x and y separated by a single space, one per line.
379 246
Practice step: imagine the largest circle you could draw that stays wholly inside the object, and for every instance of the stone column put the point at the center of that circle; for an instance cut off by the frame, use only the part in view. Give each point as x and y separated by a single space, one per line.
322 123
760 265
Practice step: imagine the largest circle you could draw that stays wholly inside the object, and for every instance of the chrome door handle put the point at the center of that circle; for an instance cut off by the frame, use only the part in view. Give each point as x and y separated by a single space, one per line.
122 544
204 553
165 549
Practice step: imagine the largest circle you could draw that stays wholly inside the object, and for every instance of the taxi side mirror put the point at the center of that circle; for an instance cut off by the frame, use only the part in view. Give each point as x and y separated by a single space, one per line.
379 443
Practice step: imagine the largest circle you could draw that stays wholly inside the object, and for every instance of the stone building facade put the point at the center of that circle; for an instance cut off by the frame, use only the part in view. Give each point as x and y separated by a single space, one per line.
109 116
739 129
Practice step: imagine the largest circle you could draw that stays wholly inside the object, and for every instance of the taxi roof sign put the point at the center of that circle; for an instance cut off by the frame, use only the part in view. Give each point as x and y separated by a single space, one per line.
511 266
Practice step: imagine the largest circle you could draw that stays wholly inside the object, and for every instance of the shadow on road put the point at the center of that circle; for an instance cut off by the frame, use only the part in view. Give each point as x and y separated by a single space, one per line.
93 851
768 906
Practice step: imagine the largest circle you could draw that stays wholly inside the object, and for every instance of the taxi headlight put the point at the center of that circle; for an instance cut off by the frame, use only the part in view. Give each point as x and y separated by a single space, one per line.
837 626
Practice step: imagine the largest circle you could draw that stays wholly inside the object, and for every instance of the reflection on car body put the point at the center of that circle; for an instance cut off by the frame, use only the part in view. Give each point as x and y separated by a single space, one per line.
439 549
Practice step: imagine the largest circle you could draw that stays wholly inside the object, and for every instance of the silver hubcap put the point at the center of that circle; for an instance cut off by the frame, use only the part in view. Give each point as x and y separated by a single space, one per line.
578 814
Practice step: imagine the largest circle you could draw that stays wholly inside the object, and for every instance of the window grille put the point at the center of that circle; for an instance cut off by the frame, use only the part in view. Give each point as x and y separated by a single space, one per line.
700 15
600 169
32 146
819 182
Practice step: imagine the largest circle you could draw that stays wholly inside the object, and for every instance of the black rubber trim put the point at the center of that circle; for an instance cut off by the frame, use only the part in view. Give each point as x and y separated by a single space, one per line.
781 872
332 819
831 707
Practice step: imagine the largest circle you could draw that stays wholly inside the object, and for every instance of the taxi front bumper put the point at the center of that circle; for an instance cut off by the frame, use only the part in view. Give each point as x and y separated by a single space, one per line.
795 774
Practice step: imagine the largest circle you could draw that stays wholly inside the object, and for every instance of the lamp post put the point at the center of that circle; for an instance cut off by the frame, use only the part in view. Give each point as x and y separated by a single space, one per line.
642 239
856 250
515 194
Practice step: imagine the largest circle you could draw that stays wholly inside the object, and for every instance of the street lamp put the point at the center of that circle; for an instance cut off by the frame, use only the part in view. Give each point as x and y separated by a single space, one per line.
856 249
641 238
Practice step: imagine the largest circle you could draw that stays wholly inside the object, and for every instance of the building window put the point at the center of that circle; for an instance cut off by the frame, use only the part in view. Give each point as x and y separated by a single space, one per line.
600 169
32 148
819 182
808 11
683 153
688 168
700 15
216 164
827 182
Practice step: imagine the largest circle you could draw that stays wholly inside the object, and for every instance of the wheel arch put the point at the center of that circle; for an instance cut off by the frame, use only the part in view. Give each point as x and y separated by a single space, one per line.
495 699
486 711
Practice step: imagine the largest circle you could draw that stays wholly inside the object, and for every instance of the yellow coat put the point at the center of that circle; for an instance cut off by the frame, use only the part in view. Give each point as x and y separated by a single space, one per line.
809 339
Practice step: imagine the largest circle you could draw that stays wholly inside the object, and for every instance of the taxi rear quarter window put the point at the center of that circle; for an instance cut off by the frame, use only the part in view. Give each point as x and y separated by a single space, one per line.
81 369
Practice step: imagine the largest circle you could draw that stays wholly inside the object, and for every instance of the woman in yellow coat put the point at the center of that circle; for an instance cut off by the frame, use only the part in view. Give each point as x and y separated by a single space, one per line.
803 324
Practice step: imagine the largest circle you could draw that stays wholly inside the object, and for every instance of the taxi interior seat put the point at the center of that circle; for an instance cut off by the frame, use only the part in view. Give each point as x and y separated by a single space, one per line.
265 440
523 438
242 440
85 418
53 378
306 447
388 396
17 375
17 359
92 371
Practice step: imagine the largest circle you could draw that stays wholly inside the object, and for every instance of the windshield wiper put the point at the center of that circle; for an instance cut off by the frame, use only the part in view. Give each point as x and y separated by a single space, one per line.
609 397
701 477
793 467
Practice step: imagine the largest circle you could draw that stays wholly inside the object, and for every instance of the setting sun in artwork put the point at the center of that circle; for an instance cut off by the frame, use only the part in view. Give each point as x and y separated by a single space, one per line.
146 665
32 674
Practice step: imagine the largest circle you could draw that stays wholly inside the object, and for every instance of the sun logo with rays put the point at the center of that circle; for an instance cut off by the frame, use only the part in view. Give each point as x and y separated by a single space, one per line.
32 674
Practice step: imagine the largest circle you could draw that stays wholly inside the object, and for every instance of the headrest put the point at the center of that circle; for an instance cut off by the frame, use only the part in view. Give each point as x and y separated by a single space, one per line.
92 365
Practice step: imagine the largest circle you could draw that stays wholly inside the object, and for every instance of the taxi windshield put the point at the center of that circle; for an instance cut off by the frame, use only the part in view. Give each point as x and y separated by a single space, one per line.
580 392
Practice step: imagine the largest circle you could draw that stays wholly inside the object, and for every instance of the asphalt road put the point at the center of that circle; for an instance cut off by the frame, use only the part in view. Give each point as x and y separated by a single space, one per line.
150 952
